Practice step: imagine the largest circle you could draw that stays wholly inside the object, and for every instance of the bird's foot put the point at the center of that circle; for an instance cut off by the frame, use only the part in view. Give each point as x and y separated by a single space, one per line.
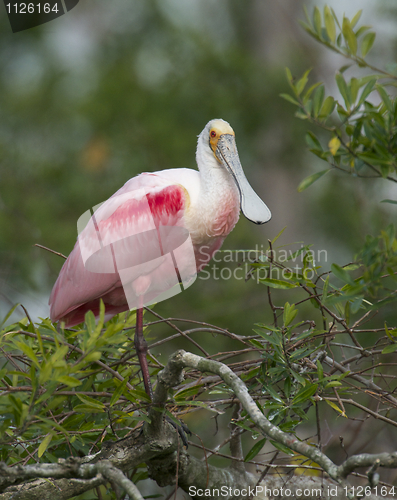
182 429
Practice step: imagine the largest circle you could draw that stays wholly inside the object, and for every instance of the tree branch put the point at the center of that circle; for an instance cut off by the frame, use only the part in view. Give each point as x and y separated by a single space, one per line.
366 460
70 468
182 359
157 447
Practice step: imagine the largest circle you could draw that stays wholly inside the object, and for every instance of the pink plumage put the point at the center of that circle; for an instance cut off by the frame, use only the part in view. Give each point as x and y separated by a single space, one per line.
77 289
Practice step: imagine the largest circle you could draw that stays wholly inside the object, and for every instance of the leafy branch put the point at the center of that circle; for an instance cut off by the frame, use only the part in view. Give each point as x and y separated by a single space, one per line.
362 135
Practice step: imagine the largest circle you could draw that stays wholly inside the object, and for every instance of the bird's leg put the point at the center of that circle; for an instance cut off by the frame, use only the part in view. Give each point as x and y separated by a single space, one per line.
141 350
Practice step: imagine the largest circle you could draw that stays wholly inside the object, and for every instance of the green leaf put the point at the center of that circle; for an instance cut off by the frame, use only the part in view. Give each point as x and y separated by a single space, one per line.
88 409
333 405
385 98
192 391
94 403
9 314
390 333
329 24
320 370
305 393
255 343
367 43
92 356
336 18
301 115
301 84
345 68
119 391
273 393
327 108
282 448
202 404
278 235
340 81
267 327
306 14
289 98
59 354
52 423
273 283
354 87
356 304
367 90
289 78
28 351
311 179
390 348
317 21
44 444
318 100
356 18
335 383
46 372
300 353
351 267
139 394
69 381
312 141
308 333
90 321
389 201
381 303
255 450
3 372
343 275
325 290
349 35
101 314
361 30
308 93
289 426
289 313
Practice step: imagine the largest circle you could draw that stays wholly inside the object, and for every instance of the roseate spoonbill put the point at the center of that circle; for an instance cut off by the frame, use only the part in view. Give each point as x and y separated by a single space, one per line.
206 204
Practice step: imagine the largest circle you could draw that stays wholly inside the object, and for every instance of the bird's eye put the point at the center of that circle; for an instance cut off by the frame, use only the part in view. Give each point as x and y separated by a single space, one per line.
213 133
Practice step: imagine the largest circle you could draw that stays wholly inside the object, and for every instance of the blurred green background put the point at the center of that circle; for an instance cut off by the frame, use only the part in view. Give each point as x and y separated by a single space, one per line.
112 89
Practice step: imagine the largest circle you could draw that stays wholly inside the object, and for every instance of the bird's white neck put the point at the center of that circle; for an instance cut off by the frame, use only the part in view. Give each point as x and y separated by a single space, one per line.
214 176
218 204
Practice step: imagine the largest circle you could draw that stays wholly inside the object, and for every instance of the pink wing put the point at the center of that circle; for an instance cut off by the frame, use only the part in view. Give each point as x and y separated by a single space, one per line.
128 222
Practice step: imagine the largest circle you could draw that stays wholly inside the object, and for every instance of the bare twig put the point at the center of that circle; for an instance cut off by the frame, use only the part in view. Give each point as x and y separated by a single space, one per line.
49 250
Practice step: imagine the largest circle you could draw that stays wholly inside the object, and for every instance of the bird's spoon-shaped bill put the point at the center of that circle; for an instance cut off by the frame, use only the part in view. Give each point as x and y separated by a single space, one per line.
253 208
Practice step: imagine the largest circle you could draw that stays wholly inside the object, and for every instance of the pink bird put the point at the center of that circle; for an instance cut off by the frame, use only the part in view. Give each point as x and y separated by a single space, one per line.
157 231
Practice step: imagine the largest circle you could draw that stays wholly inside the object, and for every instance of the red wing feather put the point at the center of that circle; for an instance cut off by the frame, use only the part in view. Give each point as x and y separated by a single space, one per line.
78 290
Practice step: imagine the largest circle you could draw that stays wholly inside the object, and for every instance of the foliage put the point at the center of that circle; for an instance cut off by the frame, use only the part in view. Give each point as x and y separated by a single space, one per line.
65 391
362 135
54 378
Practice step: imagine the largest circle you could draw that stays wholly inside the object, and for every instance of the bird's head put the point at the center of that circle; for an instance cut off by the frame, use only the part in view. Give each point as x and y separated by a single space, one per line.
218 137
